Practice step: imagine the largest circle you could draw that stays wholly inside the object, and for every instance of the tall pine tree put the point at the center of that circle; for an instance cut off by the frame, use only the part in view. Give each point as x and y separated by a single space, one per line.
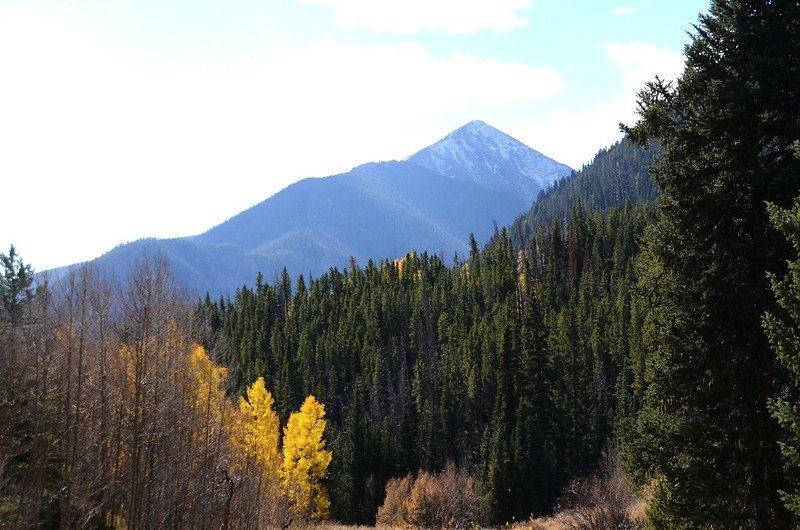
726 129
783 330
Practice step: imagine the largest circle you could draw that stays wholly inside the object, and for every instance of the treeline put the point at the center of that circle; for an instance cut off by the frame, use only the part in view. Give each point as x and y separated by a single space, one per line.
113 417
513 365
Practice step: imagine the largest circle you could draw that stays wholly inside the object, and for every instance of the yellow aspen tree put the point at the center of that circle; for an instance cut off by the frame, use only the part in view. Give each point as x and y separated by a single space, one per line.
209 403
261 427
208 379
256 434
306 460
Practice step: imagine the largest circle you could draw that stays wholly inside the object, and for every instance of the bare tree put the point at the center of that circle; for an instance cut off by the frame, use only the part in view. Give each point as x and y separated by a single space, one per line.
602 501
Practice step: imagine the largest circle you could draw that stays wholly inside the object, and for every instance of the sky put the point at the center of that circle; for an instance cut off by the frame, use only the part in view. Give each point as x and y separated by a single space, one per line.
163 118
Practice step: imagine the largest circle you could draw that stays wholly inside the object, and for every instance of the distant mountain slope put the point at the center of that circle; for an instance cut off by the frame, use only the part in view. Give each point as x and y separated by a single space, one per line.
480 153
194 265
616 175
375 211
471 180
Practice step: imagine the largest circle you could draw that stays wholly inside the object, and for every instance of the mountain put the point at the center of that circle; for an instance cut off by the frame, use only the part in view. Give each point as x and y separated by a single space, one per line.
375 211
479 153
474 179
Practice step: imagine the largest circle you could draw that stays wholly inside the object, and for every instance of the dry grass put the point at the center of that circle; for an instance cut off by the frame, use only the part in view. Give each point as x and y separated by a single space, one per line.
329 526
560 521
637 513
565 520
554 522
568 519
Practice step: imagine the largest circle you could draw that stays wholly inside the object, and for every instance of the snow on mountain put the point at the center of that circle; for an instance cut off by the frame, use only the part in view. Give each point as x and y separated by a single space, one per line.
480 153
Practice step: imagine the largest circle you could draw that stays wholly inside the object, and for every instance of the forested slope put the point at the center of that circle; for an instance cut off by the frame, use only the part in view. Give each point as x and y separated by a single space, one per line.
513 366
617 175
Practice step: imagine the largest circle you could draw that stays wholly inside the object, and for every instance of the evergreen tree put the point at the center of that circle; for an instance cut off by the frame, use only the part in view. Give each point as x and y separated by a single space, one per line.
533 485
16 288
783 330
726 131
498 451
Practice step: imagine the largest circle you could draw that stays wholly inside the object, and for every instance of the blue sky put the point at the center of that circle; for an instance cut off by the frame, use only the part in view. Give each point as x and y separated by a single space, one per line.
132 119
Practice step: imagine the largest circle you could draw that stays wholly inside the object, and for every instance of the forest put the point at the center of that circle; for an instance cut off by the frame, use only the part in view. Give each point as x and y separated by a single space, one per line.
641 321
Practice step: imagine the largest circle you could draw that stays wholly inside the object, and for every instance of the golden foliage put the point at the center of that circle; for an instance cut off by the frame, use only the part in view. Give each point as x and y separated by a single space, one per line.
209 379
521 278
400 264
261 427
255 433
306 460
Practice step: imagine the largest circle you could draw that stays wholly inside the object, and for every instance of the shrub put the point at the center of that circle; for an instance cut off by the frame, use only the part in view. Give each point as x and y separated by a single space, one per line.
393 510
443 500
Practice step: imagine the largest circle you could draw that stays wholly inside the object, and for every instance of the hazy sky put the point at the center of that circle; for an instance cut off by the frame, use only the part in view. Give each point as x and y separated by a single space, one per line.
128 119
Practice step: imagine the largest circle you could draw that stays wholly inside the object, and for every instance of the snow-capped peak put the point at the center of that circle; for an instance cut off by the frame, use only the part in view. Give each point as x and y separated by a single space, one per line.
480 153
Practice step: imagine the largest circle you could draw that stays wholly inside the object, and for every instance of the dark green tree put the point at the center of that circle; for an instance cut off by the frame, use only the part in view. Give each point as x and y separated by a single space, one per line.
783 330
726 130
617 176
497 449
16 286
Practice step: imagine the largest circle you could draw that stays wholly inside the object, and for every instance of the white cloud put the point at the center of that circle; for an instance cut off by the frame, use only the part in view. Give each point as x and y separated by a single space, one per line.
99 146
624 10
574 137
642 62
407 17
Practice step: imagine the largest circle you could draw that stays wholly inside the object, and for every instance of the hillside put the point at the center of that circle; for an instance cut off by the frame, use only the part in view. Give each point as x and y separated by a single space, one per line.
620 365
376 210
617 175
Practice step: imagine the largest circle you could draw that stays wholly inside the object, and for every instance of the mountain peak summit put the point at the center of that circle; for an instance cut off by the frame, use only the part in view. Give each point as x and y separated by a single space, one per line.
473 125
477 129
480 153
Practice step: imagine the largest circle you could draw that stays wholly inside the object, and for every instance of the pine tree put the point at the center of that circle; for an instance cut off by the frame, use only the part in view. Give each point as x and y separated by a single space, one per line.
726 129
16 288
499 363
533 481
497 450
783 330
